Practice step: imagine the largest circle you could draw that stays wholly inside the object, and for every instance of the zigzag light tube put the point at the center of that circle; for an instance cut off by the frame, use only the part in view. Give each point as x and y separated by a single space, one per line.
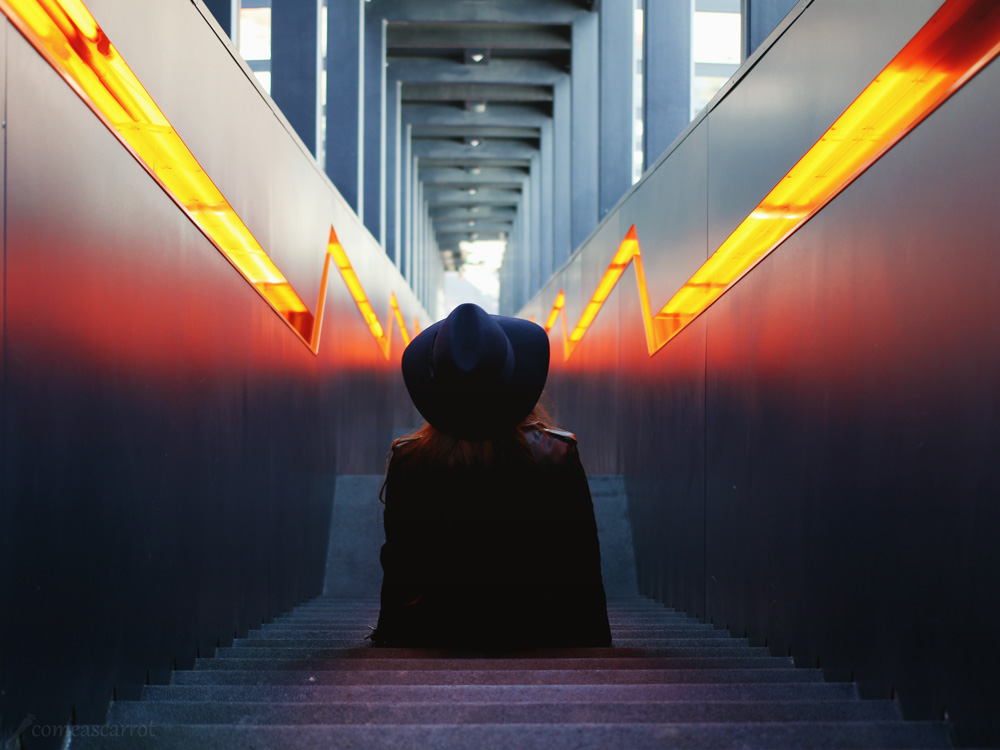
67 36
958 41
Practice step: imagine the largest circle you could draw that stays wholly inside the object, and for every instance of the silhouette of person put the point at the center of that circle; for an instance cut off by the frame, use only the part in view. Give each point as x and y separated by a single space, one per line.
490 534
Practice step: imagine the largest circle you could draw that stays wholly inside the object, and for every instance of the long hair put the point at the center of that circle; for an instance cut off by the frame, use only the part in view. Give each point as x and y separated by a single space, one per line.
436 450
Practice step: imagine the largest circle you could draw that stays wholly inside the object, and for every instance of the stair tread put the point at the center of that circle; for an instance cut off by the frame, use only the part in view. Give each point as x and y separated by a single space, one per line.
400 662
492 712
832 735
540 676
357 650
345 641
799 691
271 632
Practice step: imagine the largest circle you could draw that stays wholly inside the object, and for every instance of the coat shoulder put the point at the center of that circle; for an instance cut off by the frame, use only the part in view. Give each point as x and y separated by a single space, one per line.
566 435
548 444
404 441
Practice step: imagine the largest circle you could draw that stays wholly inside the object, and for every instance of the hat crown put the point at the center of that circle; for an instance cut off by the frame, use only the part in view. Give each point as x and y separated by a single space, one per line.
471 350
473 375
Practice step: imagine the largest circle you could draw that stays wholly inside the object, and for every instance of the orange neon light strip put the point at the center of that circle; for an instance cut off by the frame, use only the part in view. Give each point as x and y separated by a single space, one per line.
67 36
357 291
961 38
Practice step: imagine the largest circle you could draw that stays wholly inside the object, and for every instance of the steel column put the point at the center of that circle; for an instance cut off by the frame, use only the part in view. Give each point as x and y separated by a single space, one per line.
224 12
616 108
374 144
295 65
760 17
345 115
667 76
562 218
585 123
393 120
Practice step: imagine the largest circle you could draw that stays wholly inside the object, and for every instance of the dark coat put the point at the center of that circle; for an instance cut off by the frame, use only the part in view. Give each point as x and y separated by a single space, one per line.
499 558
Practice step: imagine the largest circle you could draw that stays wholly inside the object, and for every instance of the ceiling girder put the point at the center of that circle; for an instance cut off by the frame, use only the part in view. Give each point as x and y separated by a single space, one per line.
488 150
482 197
472 177
475 92
499 115
491 36
466 213
460 132
493 11
450 162
438 70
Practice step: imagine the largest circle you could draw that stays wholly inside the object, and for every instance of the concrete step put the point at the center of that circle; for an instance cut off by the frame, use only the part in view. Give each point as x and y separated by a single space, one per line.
269 632
630 652
451 712
830 736
347 639
366 624
406 675
627 607
361 660
352 620
311 693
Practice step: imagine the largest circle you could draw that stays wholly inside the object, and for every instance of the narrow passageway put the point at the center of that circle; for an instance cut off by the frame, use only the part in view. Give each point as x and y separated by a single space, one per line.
769 278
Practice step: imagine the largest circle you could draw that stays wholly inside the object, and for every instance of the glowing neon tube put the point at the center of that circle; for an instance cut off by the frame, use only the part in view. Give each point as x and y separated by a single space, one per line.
961 38
67 36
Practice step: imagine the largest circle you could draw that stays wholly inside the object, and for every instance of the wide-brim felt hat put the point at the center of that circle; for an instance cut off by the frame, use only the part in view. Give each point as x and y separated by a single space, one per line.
473 374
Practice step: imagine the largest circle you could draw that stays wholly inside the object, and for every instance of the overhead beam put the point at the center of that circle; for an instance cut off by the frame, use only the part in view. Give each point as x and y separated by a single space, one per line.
444 132
493 36
498 161
455 227
487 150
435 193
426 70
498 115
466 186
483 197
466 213
450 240
475 92
508 11
473 178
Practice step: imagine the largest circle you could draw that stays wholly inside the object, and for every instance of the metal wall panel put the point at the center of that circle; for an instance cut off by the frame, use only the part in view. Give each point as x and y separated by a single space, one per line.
250 151
670 215
852 431
592 371
4 30
796 91
660 406
169 445
661 401
813 460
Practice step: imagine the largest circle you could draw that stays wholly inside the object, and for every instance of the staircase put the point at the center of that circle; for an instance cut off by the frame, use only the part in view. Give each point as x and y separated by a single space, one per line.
308 680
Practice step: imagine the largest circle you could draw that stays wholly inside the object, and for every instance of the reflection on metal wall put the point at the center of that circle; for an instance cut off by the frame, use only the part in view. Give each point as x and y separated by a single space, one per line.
170 441
811 459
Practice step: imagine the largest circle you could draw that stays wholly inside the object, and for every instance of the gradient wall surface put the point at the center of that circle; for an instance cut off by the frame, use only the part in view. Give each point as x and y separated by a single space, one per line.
169 445
813 461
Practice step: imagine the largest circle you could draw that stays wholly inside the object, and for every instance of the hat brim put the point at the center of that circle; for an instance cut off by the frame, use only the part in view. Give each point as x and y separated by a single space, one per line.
476 415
